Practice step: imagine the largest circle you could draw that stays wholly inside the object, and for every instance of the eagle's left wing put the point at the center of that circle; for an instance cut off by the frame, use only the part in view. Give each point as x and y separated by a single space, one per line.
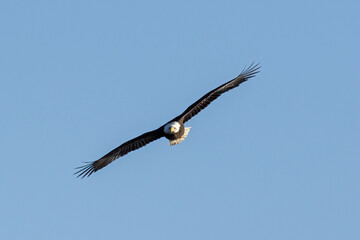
203 102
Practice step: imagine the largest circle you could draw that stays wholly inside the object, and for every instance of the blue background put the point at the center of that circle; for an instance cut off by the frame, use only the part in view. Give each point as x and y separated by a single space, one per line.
276 158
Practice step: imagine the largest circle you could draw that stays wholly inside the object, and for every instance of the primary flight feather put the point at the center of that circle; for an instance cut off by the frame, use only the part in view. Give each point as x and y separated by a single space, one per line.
173 130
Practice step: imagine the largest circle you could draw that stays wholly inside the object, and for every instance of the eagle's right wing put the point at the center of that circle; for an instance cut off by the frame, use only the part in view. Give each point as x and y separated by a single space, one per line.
120 151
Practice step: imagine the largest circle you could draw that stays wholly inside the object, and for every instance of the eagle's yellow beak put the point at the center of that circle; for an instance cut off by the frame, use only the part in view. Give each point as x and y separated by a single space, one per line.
172 130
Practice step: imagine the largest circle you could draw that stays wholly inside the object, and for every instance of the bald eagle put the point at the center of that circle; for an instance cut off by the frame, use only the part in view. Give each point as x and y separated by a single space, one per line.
174 130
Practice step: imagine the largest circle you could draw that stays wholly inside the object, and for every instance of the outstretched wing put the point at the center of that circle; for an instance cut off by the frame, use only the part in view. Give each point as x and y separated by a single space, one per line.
203 102
120 151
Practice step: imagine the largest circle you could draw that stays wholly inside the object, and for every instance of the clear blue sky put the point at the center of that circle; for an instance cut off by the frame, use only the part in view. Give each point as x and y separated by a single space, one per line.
276 158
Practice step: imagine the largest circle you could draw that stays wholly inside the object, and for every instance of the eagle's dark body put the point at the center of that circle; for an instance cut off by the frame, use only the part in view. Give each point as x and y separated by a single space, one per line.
173 130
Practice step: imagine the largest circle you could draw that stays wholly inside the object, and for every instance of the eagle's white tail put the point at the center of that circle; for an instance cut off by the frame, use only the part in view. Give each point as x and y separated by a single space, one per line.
179 140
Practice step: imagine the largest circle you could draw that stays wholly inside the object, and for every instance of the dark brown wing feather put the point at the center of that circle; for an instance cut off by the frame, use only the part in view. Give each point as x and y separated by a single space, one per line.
120 151
203 102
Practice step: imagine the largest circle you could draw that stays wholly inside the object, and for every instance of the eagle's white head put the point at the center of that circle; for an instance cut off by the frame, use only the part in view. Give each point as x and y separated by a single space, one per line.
172 128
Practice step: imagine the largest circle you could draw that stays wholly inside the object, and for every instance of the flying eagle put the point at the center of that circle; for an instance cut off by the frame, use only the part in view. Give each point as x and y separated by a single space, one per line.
174 130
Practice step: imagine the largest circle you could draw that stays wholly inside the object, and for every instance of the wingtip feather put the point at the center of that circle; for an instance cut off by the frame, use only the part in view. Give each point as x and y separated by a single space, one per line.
85 170
251 71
